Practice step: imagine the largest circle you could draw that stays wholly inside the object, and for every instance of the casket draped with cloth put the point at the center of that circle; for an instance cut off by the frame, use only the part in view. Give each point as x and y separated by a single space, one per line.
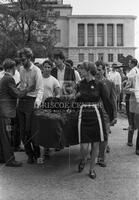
51 127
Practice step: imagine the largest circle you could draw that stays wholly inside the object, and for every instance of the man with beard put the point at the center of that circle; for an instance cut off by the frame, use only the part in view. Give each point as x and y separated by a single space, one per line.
29 75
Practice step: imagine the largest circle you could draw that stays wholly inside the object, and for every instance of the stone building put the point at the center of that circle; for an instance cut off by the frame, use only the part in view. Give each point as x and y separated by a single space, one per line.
93 37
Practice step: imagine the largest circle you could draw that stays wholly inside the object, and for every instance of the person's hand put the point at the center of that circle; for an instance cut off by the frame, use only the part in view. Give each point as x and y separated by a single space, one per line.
37 105
30 88
78 94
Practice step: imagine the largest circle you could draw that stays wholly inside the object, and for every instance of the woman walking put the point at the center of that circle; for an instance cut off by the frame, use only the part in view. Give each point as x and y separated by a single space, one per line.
91 126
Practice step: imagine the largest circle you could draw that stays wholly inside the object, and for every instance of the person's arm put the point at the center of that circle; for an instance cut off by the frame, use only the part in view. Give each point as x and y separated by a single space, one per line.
77 76
14 91
56 89
113 98
106 101
39 89
129 86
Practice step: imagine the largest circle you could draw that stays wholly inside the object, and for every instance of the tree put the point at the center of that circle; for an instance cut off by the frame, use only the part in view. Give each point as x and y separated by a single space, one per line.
125 60
26 23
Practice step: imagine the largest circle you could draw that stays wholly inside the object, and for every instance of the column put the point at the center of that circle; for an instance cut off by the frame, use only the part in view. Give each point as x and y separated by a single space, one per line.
85 25
95 28
105 35
115 35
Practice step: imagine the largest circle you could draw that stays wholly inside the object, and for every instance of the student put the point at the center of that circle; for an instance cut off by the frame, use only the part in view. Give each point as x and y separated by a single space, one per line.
29 75
8 99
91 126
51 89
111 92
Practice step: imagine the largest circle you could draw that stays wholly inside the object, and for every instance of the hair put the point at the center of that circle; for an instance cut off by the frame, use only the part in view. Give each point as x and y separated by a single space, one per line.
134 61
59 54
98 63
8 64
114 65
17 61
69 62
48 62
1 67
27 52
89 66
78 66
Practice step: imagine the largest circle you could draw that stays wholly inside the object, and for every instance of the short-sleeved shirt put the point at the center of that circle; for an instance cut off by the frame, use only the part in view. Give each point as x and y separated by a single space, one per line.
50 84
116 78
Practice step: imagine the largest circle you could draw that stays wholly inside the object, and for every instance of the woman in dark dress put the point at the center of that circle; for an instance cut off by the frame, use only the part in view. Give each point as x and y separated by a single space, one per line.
91 126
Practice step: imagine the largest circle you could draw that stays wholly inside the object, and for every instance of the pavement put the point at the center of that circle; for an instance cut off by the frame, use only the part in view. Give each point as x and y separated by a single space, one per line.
58 178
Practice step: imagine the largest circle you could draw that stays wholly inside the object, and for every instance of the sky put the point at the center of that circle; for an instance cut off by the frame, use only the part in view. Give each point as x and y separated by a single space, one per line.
108 7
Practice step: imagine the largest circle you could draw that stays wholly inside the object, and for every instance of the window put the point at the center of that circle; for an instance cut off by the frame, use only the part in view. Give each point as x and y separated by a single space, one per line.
110 57
90 31
100 56
119 34
110 38
100 35
81 34
81 57
58 35
91 57
119 57
57 13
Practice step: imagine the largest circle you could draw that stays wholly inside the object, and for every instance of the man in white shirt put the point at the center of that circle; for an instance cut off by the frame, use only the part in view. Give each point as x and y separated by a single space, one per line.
51 89
133 104
29 75
116 78
1 72
51 84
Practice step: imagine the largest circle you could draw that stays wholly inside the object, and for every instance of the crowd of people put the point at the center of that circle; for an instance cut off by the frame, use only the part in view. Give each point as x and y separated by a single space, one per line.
97 88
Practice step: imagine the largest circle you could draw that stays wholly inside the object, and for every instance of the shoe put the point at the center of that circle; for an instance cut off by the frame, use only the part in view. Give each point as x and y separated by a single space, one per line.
46 153
129 144
47 156
14 163
130 138
58 149
92 174
102 163
81 166
108 149
137 152
30 160
40 161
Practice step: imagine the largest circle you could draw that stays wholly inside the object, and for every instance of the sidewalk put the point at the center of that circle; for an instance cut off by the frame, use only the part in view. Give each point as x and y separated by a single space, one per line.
58 179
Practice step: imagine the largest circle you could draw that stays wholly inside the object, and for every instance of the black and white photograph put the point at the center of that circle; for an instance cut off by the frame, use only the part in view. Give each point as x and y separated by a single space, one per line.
69 99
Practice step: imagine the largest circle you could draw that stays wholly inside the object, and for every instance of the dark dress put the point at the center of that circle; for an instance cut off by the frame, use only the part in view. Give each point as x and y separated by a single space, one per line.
92 126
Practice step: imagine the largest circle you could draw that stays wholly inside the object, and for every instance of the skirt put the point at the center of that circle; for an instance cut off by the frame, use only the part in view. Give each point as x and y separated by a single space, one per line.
91 125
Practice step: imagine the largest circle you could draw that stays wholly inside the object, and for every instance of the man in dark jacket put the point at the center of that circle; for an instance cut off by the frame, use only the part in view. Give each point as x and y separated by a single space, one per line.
64 73
8 99
111 92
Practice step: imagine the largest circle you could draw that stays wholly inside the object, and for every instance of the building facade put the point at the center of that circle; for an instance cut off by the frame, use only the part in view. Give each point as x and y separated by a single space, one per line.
93 37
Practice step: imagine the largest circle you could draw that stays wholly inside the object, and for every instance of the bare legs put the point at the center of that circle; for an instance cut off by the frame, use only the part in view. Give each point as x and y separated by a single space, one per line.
84 147
94 153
